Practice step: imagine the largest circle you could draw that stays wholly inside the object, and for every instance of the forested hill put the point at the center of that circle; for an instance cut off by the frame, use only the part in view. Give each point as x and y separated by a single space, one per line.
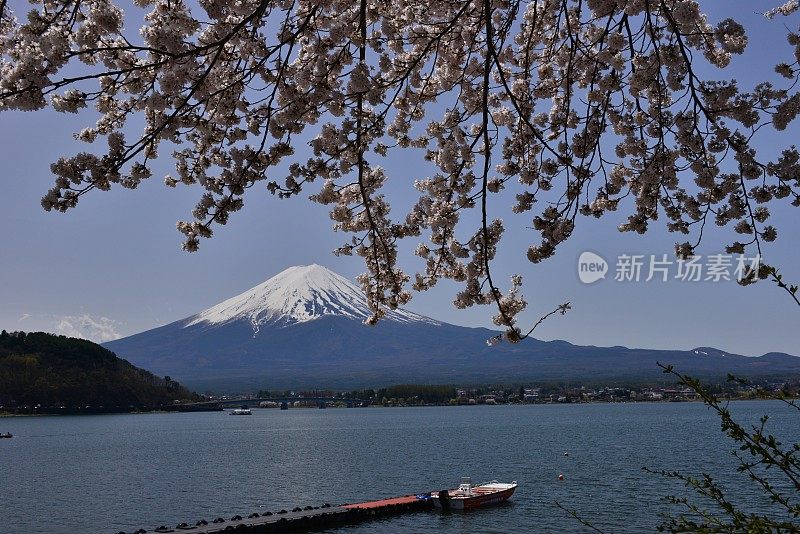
68 374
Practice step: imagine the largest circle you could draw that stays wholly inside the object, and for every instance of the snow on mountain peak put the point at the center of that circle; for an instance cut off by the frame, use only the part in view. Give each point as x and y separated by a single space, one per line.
296 295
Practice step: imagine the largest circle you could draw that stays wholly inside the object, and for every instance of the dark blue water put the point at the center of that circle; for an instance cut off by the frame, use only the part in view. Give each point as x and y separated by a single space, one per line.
123 472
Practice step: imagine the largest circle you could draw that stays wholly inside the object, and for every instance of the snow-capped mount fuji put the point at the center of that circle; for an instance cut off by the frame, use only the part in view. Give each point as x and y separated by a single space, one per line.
297 295
304 328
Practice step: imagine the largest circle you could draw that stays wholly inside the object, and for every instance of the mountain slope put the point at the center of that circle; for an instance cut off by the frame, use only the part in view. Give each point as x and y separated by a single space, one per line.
303 327
55 371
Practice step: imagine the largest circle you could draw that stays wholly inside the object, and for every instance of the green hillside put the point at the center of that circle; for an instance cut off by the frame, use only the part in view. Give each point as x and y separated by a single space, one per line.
62 374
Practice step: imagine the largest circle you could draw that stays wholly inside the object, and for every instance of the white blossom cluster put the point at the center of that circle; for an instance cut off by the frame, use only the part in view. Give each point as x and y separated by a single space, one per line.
785 9
562 107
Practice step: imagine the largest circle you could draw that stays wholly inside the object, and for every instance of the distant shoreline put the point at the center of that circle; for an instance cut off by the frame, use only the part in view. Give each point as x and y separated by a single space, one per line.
428 405
70 412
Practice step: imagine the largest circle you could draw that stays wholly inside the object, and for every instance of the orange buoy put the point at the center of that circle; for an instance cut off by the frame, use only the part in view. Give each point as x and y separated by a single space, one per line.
560 477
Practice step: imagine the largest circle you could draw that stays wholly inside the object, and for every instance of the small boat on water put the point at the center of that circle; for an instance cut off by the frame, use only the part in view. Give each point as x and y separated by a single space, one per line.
468 496
244 410
7 435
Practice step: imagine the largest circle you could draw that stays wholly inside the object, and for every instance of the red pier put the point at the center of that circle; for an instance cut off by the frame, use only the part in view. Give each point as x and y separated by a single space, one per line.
304 519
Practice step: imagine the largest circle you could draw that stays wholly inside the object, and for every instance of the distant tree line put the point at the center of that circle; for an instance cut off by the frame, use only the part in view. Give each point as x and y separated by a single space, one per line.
432 394
56 371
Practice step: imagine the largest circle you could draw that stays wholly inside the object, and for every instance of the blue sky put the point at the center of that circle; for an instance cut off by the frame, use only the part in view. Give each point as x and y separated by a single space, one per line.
114 266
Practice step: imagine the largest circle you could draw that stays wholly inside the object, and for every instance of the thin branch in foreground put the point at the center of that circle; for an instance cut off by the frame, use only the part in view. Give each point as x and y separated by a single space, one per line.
561 308
790 288
578 518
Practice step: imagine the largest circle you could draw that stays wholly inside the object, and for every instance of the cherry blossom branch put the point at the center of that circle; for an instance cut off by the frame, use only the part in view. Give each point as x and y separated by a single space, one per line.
572 107
791 289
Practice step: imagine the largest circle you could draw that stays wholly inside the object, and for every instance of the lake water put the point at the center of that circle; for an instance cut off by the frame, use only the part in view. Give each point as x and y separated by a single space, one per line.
111 473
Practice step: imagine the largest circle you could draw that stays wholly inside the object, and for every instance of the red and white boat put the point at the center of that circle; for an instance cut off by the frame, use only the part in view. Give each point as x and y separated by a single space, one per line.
467 496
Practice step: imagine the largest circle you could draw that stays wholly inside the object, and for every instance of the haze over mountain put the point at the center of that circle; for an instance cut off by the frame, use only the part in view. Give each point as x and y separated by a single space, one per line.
304 328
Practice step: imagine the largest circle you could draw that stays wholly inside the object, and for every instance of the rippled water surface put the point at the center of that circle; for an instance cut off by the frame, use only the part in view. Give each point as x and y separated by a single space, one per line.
113 473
